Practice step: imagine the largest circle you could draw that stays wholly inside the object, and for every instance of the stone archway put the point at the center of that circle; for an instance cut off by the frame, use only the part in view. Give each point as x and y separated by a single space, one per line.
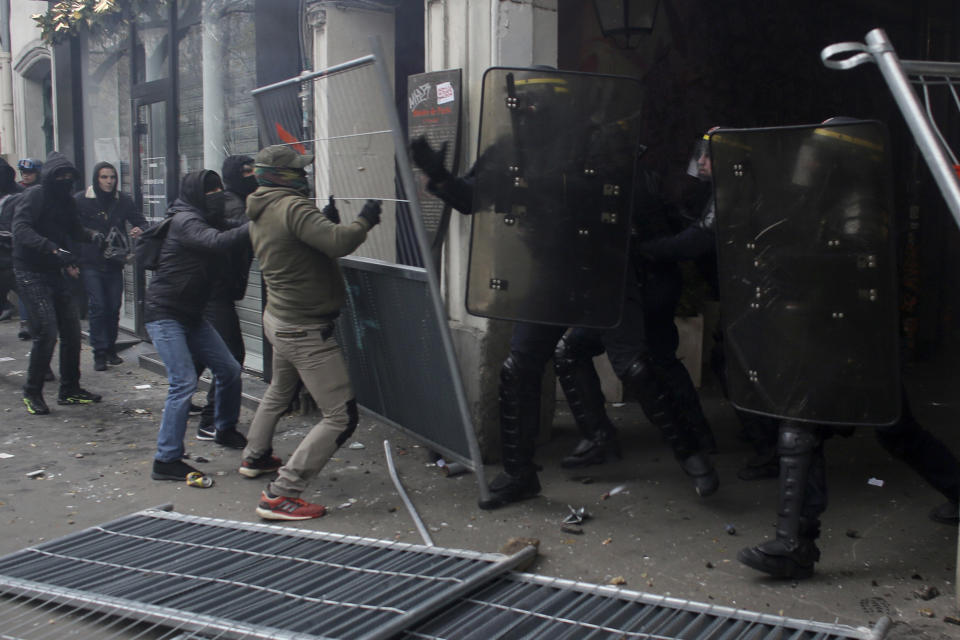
33 101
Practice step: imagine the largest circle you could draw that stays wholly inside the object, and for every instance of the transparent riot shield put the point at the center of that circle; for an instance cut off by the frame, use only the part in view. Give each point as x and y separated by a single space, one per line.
807 272
552 197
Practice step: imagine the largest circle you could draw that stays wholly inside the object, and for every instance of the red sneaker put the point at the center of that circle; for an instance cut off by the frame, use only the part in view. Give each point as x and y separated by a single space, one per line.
273 507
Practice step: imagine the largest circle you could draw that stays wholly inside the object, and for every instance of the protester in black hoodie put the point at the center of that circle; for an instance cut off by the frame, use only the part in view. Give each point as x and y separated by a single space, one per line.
45 221
104 209
177 295
8 188
231 281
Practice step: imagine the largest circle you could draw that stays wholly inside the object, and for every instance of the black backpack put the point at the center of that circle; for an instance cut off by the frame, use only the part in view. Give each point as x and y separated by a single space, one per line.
149 244
7 204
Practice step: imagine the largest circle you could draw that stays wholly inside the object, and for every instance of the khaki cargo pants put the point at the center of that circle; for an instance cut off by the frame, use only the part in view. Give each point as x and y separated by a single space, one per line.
309 353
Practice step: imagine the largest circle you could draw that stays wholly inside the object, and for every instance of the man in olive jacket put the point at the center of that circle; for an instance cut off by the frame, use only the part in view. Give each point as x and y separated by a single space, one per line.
297 247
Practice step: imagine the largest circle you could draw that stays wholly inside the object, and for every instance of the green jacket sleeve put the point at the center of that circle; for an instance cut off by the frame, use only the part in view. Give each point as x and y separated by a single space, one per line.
313 228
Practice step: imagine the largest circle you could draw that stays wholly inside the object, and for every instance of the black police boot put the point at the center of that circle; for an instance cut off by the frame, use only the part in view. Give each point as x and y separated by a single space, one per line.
519 423
656 401
698 466
785 556
596 450
99 361
511 487
793 552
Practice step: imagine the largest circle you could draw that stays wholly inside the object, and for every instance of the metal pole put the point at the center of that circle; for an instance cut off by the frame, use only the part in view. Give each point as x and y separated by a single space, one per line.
427 540
941 168
303 77
416 217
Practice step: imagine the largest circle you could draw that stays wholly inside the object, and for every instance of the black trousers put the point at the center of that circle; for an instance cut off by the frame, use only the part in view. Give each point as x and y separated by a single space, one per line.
52 311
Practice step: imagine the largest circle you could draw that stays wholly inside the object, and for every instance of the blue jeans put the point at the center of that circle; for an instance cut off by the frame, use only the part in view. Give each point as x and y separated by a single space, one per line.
178 345
105 294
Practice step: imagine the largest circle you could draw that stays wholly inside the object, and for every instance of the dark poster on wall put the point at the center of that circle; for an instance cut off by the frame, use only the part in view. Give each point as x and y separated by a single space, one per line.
433 110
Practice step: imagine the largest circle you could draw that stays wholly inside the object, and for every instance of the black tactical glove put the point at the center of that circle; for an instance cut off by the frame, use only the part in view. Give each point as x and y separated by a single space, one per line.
331 212
371 213
430 161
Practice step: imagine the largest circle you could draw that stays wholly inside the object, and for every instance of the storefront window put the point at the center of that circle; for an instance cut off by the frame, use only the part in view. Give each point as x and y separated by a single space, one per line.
153 44
106 105
216 71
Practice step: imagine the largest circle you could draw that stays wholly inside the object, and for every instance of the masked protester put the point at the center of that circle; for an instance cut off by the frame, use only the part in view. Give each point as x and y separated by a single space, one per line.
45 223
8 190
176 297
230 283
297 246
104 209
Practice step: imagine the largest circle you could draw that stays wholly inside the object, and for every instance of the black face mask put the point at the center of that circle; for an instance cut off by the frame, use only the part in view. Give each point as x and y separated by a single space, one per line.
214 204
62 189
248 184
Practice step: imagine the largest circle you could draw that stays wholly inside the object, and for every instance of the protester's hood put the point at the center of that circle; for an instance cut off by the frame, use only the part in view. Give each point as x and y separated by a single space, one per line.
8 178
55 163
95 189
233 175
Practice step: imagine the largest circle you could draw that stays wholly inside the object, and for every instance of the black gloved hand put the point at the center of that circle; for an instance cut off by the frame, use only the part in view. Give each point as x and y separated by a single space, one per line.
331 212
98 240
66 258
371 213
430 161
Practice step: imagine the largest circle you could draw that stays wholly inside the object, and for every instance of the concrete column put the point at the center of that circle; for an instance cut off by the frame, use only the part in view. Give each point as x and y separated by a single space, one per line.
474 35
7 141
214 127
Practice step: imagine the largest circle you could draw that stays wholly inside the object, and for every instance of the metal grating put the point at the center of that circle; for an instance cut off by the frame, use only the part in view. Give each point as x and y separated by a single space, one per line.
243 579
165 575
383 347
529 606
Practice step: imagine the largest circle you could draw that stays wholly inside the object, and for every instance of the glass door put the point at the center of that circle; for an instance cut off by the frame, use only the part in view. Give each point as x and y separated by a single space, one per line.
150 181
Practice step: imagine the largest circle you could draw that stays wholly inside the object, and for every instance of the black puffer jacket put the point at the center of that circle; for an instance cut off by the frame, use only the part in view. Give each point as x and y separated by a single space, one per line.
183 282
8 190
232 278
102 211
45 220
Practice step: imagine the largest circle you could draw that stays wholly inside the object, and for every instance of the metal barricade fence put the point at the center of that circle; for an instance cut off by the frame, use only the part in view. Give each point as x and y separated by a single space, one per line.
900 75
393 328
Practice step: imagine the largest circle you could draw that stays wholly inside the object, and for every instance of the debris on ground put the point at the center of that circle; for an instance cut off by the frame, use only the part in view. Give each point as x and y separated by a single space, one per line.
618 489
356 445
926 613
709 565
571 528
577 516
39 473
5 455
730 529
951 620
141 386
200 459
926 592
875 482
607 541
853 533
618 581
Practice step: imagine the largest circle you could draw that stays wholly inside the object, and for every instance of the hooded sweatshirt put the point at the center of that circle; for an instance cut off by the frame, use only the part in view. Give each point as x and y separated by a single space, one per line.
195 243
297 247
232 282
101 211
45 219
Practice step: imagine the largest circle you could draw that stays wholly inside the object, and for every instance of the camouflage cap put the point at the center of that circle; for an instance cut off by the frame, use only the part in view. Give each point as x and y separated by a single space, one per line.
279 155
